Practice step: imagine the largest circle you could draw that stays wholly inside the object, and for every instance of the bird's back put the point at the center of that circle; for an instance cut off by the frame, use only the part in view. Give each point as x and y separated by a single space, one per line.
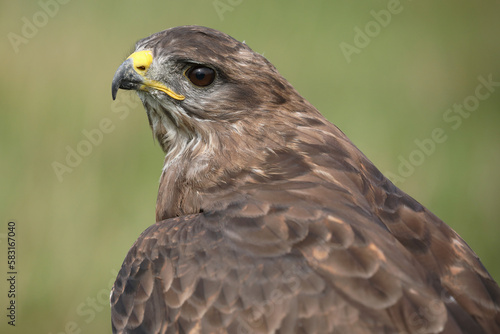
314 243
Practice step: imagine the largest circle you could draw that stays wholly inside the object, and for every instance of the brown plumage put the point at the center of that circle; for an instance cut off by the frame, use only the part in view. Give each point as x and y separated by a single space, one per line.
269 220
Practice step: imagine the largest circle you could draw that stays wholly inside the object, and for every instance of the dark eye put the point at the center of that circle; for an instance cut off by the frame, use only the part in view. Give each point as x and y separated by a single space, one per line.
201 76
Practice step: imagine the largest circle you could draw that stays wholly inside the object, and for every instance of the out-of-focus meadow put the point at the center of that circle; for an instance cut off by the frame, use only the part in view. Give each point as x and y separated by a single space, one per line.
387 87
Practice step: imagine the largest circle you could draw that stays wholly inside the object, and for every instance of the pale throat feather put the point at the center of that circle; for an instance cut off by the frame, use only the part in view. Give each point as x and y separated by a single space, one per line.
189 155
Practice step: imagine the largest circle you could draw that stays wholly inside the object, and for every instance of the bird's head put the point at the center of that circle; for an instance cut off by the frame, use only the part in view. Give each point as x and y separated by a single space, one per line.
197 83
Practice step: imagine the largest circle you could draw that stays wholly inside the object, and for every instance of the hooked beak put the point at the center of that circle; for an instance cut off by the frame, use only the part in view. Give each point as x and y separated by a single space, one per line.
126 78
132 75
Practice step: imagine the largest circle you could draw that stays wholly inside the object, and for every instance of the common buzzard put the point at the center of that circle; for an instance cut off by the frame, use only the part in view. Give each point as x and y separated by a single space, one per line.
268 218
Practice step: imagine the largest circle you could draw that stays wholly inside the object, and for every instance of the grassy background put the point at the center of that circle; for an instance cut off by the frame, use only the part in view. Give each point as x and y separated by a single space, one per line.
74 234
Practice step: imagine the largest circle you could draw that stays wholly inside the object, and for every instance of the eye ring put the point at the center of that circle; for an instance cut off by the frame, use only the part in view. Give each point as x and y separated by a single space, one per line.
200 75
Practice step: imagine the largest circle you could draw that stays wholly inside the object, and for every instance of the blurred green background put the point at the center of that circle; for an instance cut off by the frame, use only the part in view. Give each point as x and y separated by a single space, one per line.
74 230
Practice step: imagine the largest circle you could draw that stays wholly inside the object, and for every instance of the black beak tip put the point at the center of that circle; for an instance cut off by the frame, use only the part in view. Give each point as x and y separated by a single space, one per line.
114 89
125 78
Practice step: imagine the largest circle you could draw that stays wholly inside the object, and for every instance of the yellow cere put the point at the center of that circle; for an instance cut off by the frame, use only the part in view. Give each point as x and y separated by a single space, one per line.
142 60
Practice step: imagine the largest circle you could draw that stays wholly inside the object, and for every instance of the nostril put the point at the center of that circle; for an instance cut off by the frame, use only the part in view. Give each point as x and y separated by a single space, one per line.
141 68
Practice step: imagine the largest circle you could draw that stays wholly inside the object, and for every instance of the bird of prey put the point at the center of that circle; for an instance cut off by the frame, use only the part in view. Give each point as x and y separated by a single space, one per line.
270 220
